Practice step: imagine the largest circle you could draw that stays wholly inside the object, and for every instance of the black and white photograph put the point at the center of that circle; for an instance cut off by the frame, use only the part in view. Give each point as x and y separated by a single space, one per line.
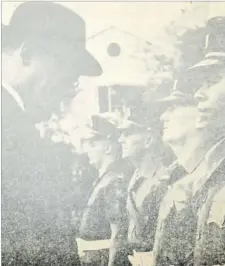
112 142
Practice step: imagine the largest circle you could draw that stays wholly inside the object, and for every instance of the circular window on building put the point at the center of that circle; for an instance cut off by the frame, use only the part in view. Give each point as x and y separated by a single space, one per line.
113 49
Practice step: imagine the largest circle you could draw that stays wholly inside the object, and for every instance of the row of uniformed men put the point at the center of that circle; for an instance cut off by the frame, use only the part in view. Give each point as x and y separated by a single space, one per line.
157 215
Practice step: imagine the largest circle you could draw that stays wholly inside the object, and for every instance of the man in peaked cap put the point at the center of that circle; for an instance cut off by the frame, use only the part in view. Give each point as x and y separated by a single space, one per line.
104 223
43 55
156 185
210 96
199 239
143 147
185 144
210 92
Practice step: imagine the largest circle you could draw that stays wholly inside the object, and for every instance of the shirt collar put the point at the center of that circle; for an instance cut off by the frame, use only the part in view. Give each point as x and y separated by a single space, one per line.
14 94
147 168
216 154
212 160
197 155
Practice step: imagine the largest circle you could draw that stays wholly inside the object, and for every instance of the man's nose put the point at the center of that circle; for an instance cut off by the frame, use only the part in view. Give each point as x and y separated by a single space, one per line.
164 116
200 94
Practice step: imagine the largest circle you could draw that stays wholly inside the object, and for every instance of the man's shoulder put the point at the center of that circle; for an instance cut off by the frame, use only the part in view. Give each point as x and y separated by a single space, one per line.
120 170
115 178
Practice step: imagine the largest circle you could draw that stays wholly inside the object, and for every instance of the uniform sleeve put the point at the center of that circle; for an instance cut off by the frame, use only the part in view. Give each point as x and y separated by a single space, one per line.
210 244
172 238
217 209
115 195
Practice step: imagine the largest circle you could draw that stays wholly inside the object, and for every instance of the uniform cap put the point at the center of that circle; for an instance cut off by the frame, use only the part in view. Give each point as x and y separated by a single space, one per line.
140 118
101 127
179 95
214 44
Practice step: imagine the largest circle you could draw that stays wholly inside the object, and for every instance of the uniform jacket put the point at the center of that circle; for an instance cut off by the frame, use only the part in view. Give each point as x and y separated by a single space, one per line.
146 191
178 218
210 237
106 203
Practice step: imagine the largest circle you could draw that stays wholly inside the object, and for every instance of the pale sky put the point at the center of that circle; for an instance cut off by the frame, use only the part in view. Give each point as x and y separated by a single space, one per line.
139 18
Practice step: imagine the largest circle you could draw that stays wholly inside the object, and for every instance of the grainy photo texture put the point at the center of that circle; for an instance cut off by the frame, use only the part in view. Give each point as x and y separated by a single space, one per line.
113 141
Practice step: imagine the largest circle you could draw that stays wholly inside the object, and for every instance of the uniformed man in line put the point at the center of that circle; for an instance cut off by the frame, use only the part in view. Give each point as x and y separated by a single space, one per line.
183 142
43 55
184 213
209 191
142 145
104 219
189 150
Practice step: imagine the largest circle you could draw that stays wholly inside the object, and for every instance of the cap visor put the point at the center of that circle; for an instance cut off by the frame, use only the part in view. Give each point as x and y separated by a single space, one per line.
89 65
173 100
125 124
206 63
129 124
170 99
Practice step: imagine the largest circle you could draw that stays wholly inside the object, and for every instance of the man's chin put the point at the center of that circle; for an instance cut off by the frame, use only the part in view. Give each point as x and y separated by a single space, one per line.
167 138
92 162
125 156
128 154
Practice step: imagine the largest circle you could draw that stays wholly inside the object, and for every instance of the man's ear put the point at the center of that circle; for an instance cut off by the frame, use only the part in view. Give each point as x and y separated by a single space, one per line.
25 54
149 140
108 148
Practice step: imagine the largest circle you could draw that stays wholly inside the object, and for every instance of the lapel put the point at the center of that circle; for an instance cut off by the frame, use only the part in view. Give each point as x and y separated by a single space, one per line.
141 186
100 184
148 185
213 160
